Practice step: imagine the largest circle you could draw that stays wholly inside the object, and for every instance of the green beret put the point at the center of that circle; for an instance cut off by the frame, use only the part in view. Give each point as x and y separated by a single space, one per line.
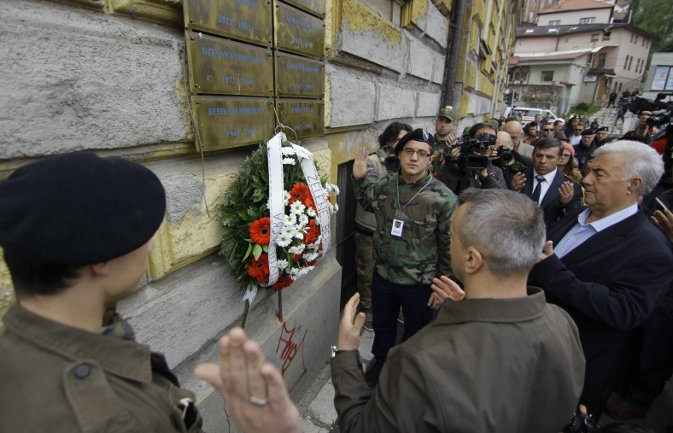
78 208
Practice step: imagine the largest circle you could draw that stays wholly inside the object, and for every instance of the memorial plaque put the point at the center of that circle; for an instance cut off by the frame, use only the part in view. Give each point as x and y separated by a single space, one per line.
304 116
299 77
299 32
218 65
316 7
249 20
224 122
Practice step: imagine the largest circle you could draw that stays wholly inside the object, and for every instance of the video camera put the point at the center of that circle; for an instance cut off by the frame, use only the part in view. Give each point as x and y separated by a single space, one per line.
468 148
659 118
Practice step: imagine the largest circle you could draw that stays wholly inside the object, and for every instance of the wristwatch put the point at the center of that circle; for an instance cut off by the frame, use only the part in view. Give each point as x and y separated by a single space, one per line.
334 351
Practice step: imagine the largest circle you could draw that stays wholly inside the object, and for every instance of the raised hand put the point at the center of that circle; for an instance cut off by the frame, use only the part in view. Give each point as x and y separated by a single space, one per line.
253 389
360 169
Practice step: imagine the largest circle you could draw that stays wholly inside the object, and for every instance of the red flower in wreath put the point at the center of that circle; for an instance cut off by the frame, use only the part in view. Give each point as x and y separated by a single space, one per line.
282 282
301 192
312 233
260 231
259 269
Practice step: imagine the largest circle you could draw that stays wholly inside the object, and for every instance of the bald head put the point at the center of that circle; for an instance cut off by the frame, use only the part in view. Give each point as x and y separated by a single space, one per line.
515 131
503 139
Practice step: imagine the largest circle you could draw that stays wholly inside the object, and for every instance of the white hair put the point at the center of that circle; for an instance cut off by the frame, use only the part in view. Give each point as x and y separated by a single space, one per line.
506 227
640 161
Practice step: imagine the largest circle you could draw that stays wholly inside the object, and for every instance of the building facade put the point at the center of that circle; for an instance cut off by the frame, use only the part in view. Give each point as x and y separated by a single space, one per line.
579 53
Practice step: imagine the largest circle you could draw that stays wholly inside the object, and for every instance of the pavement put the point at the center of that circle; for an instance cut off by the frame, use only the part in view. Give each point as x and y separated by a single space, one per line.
317 404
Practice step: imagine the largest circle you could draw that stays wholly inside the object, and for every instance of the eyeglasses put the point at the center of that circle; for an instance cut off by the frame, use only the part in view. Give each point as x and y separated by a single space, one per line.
421 153
548 130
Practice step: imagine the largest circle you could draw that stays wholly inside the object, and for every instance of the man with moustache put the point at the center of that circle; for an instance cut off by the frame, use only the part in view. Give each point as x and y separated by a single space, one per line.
607 265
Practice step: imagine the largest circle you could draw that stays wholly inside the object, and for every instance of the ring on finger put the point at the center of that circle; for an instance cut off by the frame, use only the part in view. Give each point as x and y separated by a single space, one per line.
259 402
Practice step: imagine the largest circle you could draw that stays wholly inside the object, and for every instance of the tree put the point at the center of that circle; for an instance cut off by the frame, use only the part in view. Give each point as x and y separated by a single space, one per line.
655 16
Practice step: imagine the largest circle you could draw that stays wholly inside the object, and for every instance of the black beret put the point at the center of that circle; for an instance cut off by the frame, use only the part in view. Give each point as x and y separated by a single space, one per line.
416 135
588 131
78 208
602 128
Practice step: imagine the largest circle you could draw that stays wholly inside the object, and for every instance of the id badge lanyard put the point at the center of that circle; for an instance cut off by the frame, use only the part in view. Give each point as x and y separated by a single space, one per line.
398 223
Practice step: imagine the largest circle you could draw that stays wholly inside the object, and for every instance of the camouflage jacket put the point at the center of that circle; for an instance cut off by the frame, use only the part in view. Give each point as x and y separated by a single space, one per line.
422 250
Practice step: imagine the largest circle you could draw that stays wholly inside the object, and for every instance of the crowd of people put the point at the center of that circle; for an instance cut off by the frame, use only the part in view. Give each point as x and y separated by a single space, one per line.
533 283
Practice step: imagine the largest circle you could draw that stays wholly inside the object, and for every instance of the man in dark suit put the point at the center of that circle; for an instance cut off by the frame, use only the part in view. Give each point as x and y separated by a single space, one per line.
608 266
543 183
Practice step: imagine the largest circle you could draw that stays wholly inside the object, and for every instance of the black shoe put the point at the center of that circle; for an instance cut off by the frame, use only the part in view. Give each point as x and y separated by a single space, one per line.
372 372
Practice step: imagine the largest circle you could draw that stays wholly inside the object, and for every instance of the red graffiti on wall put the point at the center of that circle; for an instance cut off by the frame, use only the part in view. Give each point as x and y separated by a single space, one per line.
288 348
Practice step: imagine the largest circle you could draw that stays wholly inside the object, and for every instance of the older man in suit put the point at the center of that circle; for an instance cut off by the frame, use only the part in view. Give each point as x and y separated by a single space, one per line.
543 183
607 265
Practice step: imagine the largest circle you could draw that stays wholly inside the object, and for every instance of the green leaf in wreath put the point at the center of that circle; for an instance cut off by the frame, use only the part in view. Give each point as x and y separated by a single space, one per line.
257 251
247 253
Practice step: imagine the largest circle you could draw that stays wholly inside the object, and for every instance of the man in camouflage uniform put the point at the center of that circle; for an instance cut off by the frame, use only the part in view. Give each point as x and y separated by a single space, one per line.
411 241
445 124
379 165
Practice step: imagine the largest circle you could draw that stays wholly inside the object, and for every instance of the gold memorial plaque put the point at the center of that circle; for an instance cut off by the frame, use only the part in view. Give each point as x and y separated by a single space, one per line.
218 65
304 116
299 77
299 32
316 7
249 20
224 122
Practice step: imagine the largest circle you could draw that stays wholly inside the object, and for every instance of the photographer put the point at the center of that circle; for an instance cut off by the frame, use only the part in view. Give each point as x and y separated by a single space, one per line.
468 164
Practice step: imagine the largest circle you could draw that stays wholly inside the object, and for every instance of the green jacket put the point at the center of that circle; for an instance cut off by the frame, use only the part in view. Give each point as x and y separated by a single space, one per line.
422 251
56 378
483 366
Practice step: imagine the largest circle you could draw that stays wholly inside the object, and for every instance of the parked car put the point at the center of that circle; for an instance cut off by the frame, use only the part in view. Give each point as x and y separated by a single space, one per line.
527 114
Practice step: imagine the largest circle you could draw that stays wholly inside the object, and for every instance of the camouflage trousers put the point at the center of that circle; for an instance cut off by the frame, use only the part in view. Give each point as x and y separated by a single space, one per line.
364 267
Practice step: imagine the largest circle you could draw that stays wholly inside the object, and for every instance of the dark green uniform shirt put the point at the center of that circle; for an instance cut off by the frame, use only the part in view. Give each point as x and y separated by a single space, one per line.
55 378
424 209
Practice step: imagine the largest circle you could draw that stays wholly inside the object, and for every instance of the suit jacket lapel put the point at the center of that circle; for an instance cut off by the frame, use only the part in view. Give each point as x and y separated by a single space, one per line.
552 192
601 240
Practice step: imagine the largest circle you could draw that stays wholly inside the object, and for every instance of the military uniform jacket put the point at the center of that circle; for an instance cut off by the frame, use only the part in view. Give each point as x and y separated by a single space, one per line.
483 365
56 378
424 209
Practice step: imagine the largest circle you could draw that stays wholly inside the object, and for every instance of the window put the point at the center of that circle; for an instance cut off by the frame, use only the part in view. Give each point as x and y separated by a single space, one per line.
601 60
554 23
663 78
547 75
636 39
630 62
590 58
388 9
594 37
588 20
626 62
637 64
